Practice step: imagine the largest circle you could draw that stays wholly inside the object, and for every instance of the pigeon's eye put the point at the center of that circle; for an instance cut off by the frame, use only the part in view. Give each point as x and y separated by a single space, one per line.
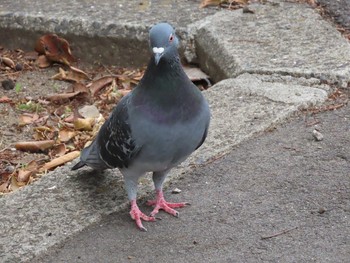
171 38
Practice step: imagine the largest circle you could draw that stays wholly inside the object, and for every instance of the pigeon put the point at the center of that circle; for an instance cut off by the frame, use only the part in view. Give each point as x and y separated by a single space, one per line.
153 128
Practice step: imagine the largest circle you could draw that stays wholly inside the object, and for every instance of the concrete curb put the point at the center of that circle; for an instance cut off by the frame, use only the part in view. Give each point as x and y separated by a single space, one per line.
284 38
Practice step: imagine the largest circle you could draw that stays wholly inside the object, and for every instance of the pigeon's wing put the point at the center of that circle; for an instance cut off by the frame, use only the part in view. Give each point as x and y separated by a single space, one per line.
114 145
117 147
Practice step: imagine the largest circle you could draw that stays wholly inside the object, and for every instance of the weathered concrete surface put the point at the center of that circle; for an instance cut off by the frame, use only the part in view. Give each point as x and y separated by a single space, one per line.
111 32
284 38
249 104
64 202
282 180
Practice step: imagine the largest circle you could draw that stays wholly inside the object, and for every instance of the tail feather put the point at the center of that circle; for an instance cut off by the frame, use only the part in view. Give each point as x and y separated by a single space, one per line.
90 156
78 165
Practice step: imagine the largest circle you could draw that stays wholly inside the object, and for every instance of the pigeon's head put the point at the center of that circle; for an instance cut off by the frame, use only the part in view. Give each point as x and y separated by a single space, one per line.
163 41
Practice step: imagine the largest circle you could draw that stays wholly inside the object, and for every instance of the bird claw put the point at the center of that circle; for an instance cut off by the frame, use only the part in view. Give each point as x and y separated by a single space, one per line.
137 215
161 204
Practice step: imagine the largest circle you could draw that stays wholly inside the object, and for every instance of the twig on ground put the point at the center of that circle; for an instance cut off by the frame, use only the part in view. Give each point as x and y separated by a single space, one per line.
279 233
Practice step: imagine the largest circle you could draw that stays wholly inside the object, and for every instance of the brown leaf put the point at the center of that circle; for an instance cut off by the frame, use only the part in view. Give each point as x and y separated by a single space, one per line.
78 72
44 133
14 183
55 49
43 62
5 99
100 83
63 96
205 3
34 146
84 124
23 175
78 89
58 150
74 75
81 88
8 62
32 166
4 187
60 160
27 118
66 135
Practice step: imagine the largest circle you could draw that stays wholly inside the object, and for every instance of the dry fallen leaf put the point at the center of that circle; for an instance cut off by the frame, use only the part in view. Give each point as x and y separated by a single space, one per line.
84 124
5 99
65 135
44 133
60 160
14 183
99 84
205 3
27 118
8 62
34 146
4 187
43 62
63 96
23 175
32 166
58 150
78 89
55 49
78 72
75 75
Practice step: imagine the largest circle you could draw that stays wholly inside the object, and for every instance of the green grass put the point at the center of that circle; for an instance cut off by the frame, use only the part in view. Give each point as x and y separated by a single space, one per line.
30 106
18 87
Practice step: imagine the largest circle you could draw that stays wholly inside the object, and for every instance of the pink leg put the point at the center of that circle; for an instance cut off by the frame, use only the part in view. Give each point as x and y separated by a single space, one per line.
137 215
160 203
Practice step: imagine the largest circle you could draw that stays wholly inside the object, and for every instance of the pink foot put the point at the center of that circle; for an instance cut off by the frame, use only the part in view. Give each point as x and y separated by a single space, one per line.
137 215
160 203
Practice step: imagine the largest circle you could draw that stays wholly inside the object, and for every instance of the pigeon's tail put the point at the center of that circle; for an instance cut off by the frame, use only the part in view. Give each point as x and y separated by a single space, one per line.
78 165
90 156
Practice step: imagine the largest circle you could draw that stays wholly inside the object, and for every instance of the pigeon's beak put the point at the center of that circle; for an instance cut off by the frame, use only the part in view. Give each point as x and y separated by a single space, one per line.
158 53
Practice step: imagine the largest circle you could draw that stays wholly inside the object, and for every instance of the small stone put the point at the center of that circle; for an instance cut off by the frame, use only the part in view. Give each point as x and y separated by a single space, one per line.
9 169
321 210
246 10
8 84
18 67
89 111
176 191
317 135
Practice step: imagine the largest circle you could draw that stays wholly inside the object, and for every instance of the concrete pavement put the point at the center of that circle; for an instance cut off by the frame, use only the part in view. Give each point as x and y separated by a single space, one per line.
280 59
278 197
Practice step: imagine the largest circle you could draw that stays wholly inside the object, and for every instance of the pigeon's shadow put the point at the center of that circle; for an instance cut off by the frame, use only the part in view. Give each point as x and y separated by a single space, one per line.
99 188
